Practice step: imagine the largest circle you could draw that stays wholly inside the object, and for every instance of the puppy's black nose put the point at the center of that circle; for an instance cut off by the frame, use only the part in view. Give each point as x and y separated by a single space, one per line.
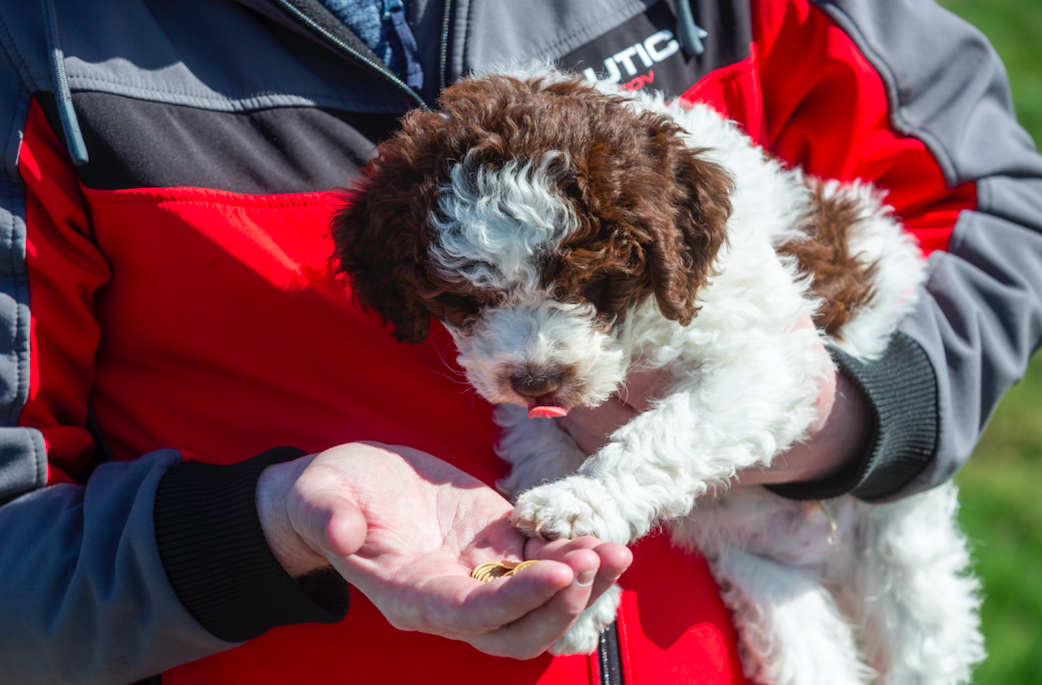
535 384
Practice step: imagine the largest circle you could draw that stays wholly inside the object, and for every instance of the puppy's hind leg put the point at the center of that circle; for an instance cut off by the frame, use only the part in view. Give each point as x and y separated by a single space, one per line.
920 605
790 630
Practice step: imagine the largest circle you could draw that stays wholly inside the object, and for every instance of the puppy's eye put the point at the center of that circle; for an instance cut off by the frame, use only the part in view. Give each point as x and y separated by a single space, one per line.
457 311
462 320
597 293
465 324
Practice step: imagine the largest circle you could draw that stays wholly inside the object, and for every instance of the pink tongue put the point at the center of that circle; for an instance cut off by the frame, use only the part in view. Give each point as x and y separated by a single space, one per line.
547 411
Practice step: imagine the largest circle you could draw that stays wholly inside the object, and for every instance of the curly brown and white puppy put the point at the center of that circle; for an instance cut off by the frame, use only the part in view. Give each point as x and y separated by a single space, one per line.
566 234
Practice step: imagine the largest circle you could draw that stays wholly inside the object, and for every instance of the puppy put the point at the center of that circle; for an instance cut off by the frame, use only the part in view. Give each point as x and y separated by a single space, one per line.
567 234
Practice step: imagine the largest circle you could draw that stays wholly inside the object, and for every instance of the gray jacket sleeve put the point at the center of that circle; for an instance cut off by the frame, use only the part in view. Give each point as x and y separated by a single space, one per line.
83 593
980 315
153 564
150 564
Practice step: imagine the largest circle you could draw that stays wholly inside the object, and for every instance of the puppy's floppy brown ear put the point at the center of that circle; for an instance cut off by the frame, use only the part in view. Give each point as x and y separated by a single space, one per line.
379 246
682 260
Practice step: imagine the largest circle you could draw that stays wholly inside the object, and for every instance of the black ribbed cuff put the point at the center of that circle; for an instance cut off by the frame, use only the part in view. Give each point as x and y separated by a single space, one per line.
218 562
902 389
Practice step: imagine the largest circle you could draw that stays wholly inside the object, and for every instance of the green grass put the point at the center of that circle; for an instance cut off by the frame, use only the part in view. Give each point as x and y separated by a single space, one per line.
1014 27
1002 485
1002 514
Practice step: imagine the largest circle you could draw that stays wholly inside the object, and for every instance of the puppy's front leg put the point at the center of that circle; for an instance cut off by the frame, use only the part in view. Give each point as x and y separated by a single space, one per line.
619 493
539 451
694 439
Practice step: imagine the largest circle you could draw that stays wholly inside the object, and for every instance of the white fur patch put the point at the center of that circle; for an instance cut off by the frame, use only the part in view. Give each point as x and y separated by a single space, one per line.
492 222
546 335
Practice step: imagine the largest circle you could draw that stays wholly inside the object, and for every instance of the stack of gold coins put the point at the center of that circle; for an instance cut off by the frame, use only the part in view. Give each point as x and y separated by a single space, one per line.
499 569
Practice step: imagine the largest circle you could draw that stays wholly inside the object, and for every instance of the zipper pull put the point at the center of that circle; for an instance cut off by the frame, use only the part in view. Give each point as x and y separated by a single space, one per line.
60 88
690 33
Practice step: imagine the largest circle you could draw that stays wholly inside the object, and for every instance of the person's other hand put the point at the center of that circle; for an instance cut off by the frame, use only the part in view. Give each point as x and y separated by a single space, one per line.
406 529
832 443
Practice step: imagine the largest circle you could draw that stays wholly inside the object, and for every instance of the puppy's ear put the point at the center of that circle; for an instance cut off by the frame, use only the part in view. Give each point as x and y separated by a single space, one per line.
681 259
379 246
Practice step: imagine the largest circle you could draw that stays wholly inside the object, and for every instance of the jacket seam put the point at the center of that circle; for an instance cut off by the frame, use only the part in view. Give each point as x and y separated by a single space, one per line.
275 201
9 230
129 89
41 460
14 407
886 74
14 53
984 195
20 277
962 226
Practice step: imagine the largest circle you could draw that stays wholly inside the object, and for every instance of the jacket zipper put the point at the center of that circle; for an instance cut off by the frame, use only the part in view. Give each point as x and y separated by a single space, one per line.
608 662
443 53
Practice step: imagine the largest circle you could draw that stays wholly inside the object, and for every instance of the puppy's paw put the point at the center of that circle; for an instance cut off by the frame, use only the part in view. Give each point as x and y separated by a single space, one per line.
586 631
568 509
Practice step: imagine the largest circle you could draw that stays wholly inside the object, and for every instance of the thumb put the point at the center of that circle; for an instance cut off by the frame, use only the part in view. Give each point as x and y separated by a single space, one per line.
326 518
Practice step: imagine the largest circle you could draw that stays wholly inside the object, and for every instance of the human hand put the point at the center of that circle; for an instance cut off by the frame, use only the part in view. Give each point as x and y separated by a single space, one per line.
832 442
406 529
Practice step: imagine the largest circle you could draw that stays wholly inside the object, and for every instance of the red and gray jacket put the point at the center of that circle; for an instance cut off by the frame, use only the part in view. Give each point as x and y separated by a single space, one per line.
168 309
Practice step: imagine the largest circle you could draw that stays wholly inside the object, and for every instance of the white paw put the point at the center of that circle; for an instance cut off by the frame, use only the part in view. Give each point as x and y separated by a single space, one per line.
586 631
553 512
568 509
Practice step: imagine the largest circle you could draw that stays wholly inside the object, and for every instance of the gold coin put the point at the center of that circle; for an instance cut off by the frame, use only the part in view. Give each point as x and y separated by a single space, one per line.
499 569
518 565
487 571
523 564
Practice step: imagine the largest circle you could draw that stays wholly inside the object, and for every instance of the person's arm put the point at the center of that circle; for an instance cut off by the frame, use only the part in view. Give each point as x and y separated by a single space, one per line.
905 94
834 442
84 589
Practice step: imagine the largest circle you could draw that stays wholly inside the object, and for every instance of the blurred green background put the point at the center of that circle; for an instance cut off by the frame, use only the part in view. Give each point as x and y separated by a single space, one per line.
1002 485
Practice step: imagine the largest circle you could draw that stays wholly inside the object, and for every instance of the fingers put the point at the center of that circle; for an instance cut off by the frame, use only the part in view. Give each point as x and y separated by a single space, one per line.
613 559
531 633
594 566
456 606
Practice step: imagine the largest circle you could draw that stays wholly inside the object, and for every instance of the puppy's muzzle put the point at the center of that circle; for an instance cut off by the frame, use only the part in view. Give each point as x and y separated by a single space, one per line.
540 389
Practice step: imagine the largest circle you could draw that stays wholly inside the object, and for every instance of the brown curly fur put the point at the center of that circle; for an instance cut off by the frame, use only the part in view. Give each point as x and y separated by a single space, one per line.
652 212
842 281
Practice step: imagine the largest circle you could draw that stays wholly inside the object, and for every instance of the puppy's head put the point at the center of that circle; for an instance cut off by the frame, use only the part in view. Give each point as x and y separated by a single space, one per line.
531 215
